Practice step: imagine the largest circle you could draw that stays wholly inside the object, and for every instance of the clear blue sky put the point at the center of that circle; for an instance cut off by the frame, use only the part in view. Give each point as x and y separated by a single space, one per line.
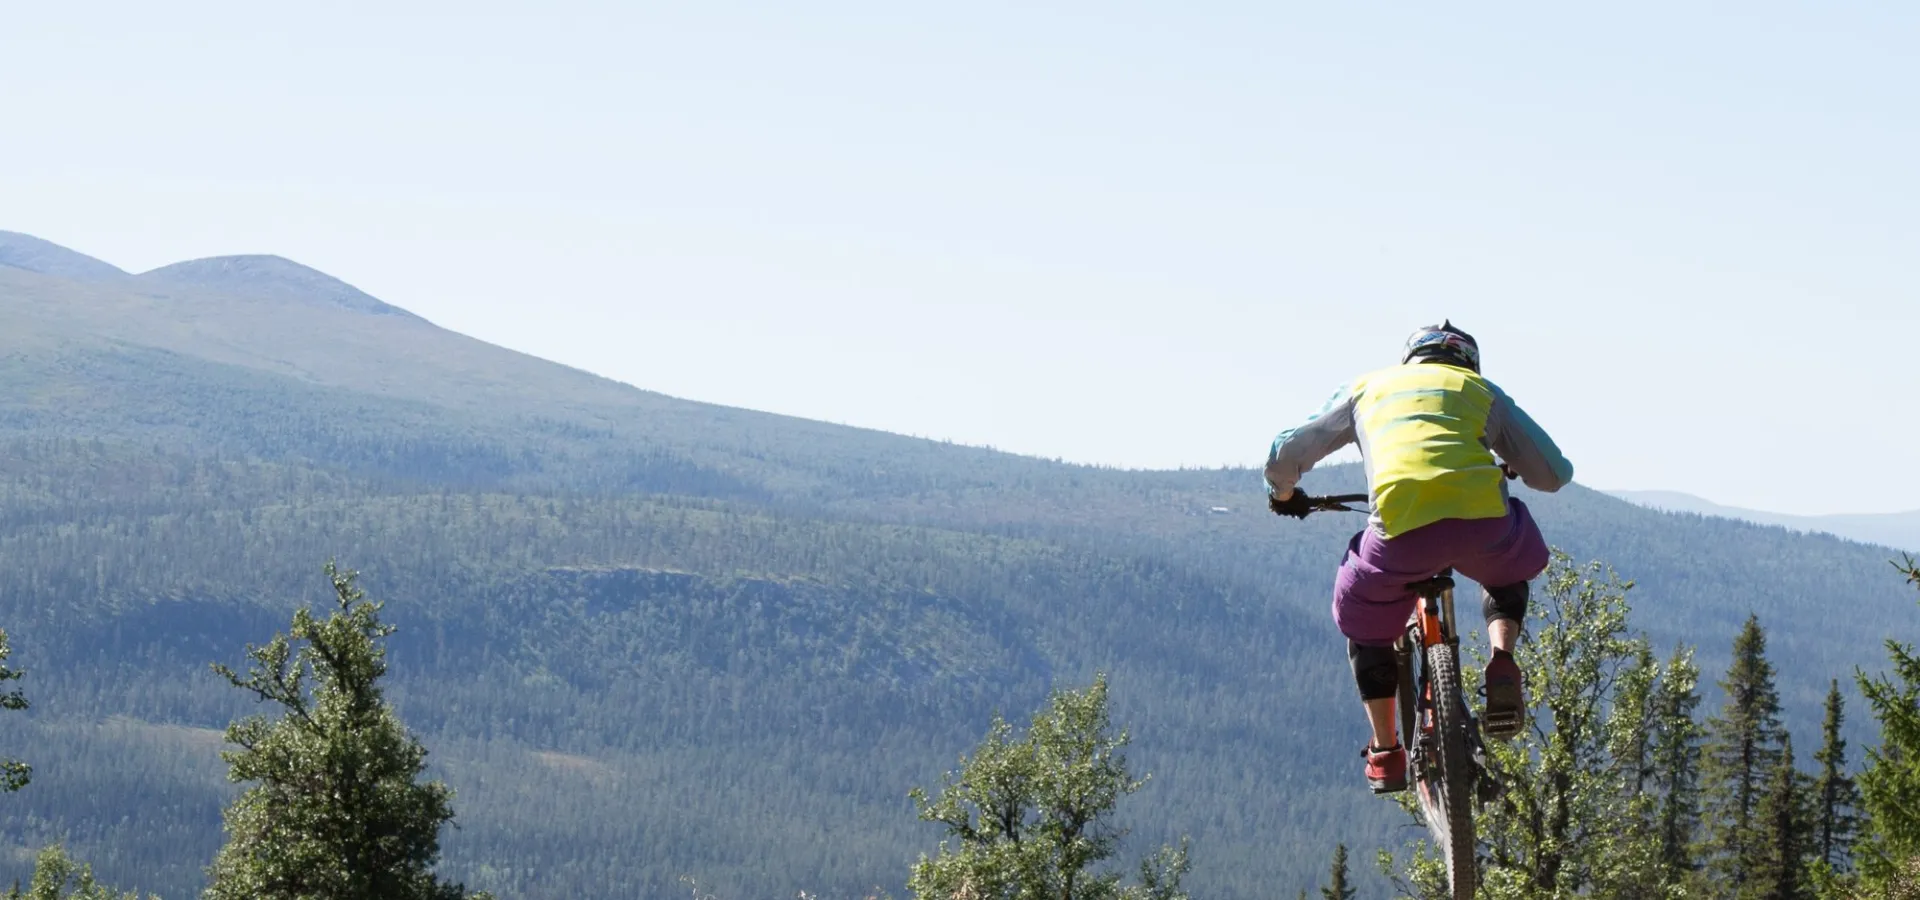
1127 233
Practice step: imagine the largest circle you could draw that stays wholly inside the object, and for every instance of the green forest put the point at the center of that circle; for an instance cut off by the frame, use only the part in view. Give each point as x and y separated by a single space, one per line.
652 647
1621 788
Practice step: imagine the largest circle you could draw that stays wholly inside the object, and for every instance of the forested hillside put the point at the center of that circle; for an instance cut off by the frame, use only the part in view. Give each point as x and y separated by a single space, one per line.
647 637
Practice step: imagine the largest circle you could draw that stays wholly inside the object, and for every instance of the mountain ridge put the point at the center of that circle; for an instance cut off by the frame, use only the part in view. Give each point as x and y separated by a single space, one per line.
1899 530
258 276
268 276
24 251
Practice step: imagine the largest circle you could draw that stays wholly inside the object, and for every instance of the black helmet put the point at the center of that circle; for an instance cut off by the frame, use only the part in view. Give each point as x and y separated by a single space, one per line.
1443 343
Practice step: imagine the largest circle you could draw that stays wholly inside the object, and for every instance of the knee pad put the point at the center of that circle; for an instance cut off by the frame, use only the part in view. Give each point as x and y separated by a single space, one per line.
1507 602
1376 670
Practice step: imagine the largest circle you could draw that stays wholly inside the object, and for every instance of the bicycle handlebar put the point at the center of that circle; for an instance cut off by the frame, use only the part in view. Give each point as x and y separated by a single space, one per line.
1338 502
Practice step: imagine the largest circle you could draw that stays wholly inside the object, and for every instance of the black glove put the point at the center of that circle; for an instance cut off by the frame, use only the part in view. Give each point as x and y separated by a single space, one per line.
1296 504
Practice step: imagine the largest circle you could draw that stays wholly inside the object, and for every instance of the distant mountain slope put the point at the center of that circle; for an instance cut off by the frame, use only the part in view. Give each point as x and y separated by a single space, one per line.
648 637
1898 530
269 277
24 251
114 362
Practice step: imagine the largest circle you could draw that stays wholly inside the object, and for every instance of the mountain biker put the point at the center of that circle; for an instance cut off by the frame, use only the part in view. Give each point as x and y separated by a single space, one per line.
1428 430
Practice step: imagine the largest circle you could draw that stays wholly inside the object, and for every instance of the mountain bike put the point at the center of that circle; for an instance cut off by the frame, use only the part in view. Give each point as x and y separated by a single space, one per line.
1446 757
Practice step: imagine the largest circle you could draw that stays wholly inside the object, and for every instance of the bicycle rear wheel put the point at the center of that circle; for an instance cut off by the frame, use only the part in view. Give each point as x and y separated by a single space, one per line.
1447 797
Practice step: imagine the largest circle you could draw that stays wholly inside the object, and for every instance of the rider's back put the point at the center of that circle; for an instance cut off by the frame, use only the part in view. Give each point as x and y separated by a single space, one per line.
1421 430
1428 432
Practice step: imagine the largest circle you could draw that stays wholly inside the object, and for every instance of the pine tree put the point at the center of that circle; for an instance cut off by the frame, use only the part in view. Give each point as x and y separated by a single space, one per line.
1337 888
1835 792
1676 766
1782 868
1888 852
1742 753
335 811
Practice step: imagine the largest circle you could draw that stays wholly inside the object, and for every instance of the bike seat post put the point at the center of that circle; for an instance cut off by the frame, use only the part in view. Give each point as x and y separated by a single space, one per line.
1436 598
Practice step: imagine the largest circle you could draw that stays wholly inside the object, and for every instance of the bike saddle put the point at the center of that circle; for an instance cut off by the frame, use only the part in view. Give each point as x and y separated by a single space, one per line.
1432 587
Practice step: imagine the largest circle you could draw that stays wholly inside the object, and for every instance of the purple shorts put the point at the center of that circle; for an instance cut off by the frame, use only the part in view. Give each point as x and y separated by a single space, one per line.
1371 602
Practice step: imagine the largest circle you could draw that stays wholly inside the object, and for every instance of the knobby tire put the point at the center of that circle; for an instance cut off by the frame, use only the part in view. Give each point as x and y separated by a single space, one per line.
1452 820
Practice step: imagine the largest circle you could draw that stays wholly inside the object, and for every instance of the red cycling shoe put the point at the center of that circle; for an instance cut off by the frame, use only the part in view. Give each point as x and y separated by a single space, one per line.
1506 699
1386 769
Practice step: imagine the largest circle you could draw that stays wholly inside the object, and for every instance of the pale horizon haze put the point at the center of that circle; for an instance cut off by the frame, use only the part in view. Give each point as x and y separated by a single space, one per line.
1138 235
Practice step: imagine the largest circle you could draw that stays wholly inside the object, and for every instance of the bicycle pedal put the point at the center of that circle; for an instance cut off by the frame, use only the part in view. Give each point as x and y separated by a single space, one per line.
1502 726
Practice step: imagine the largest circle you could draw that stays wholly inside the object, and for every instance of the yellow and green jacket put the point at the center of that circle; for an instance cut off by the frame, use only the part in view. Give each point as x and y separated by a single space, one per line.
1428 433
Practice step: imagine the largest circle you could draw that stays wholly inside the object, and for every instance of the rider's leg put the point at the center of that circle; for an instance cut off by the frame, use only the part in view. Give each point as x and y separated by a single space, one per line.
1505 688
1503 634
1505 564
1515 553
1371 604
1380 716
1376 671
1505 608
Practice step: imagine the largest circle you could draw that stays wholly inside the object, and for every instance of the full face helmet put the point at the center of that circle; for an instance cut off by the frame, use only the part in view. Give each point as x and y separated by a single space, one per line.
1443 343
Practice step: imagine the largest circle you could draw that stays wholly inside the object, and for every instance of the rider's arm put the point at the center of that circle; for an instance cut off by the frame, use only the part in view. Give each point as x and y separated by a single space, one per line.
1525 446
1296 450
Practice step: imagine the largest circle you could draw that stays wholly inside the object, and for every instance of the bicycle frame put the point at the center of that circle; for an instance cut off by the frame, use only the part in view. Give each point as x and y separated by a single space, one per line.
1434 616
1431 624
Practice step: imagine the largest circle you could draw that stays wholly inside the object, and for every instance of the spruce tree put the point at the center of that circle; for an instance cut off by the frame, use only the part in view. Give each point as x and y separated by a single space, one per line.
1782 869
1676 766
1743 750
335 810
1337 888
1888 853
1836 820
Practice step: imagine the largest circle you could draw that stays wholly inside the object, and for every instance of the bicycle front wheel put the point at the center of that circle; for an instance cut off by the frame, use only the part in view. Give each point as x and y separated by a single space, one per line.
1446 795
